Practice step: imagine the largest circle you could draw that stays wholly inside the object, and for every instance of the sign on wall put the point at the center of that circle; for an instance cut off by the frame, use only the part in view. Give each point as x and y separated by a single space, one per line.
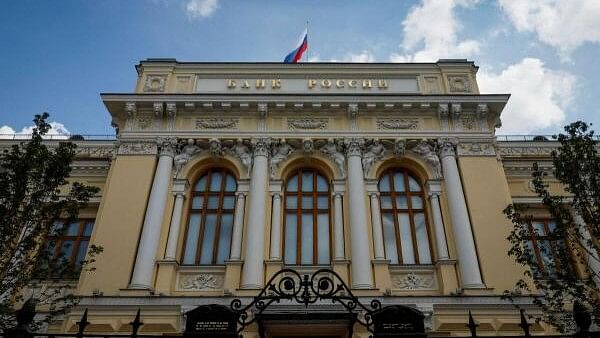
211 321
398 321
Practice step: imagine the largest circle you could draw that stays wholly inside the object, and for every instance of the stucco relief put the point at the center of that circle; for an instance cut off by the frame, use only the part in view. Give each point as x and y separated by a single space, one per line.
432 85
217 123
398 124
138 148
201 282
413 281
279 153
475 149
143 122
467 122
308 123
241 151
427 152
155 83
374 151
95 152
185 153
334 151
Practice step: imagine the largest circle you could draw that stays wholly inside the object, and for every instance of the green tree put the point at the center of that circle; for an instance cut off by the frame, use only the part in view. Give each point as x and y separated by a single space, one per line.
35 196
568 277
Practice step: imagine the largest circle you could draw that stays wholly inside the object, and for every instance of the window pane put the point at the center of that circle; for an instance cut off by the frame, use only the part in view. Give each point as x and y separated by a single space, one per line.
215 181
389 238
538 228
291 202
551 226
413 185
81 253
307 239
290 239
307 181
322 184
399 182
422 239
228 202
546 253
534 267
73 229
198 202
386 202
230 184
191 242
323 202
323 238
201 185
416 202
401 202
408 256
307 202
384 183
88 227
208 242
292 184
213 202
66 250
225 238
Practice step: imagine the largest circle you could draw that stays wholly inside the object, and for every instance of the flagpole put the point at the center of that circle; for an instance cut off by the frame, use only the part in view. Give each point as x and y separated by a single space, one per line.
307 48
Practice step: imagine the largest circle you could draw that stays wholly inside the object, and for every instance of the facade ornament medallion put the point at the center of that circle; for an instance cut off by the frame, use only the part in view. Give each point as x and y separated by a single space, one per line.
373 152
334 151
459 84
399 147
426 151
155 83
468 122
413 281
200 282
171 112
158 108
215 147
352 115
144 122
397 124
308 123
443 116
278 154
217 123
308 145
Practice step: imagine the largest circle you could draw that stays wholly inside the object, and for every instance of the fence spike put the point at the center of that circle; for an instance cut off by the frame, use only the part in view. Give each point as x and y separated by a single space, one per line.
524 324
82 323
472 325
582 319
135 325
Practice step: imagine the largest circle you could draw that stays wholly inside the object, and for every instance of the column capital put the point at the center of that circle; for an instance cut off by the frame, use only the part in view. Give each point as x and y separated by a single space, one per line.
354 146
276 194
241 194
261 146
337 194
180 186
434 187
447 147
373 194
166 146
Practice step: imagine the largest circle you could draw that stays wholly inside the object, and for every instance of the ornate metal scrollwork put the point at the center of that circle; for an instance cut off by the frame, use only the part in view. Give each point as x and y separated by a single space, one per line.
288 284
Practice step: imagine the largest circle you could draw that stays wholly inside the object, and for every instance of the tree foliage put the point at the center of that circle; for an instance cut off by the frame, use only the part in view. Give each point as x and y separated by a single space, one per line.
35 196
569 278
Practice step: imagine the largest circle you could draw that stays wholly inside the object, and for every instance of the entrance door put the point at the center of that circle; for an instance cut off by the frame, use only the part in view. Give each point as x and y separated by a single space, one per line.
306 325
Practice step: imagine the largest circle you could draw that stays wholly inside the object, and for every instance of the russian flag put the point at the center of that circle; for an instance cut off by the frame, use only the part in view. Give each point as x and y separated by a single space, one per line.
297 53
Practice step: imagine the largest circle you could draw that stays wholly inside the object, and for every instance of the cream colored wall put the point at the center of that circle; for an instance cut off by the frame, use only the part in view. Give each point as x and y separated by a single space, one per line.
119 223
487 194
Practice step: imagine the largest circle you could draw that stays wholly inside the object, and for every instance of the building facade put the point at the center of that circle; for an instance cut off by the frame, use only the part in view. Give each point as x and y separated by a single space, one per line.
222 174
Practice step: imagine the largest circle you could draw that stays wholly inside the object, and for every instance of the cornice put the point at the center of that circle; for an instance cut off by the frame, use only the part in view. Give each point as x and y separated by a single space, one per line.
526 148
97 149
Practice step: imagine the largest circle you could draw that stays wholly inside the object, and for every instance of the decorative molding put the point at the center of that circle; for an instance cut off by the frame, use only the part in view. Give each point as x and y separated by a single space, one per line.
333 150
155 83
185 152
217 123
459 84
201 282
144 122
467 122
241 152
526 149
278 154
83 150
398 124
138 148
373 153
432 85
308 123
427 152
413 281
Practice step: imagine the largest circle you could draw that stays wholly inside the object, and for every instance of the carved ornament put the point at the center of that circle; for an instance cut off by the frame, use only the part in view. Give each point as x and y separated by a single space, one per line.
308 123
201 282
217 123
398 124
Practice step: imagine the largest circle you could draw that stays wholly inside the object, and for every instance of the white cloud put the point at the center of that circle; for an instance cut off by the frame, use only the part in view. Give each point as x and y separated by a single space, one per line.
564 25
539 96
364 56
432 27
57 131
200 9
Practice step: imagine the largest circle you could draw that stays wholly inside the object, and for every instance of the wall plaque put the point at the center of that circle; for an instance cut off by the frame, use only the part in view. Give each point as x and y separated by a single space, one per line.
398 321
211 321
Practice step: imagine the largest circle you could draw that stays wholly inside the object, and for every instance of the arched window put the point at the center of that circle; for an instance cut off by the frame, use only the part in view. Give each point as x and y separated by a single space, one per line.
210 221
306 221
403 217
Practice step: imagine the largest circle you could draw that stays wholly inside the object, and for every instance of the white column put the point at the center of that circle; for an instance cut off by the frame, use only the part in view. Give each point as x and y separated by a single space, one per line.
463 234
252 272
593 263
276 227
378 244
434 189
148 245
238 227
179 188
338 227
362 276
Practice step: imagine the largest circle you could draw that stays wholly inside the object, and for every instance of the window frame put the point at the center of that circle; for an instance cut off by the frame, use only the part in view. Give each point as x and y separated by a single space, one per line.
395 211
534 237
299 211
204 211
71 271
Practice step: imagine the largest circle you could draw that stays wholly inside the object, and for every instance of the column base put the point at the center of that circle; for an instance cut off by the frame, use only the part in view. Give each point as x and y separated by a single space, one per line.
233 271
136 291
272 267
383 282
446 269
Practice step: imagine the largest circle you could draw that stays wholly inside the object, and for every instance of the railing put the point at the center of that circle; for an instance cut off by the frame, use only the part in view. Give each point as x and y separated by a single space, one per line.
61 137
531 138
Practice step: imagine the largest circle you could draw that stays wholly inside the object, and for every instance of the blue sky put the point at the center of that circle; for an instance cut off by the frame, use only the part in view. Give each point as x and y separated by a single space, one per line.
57 56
